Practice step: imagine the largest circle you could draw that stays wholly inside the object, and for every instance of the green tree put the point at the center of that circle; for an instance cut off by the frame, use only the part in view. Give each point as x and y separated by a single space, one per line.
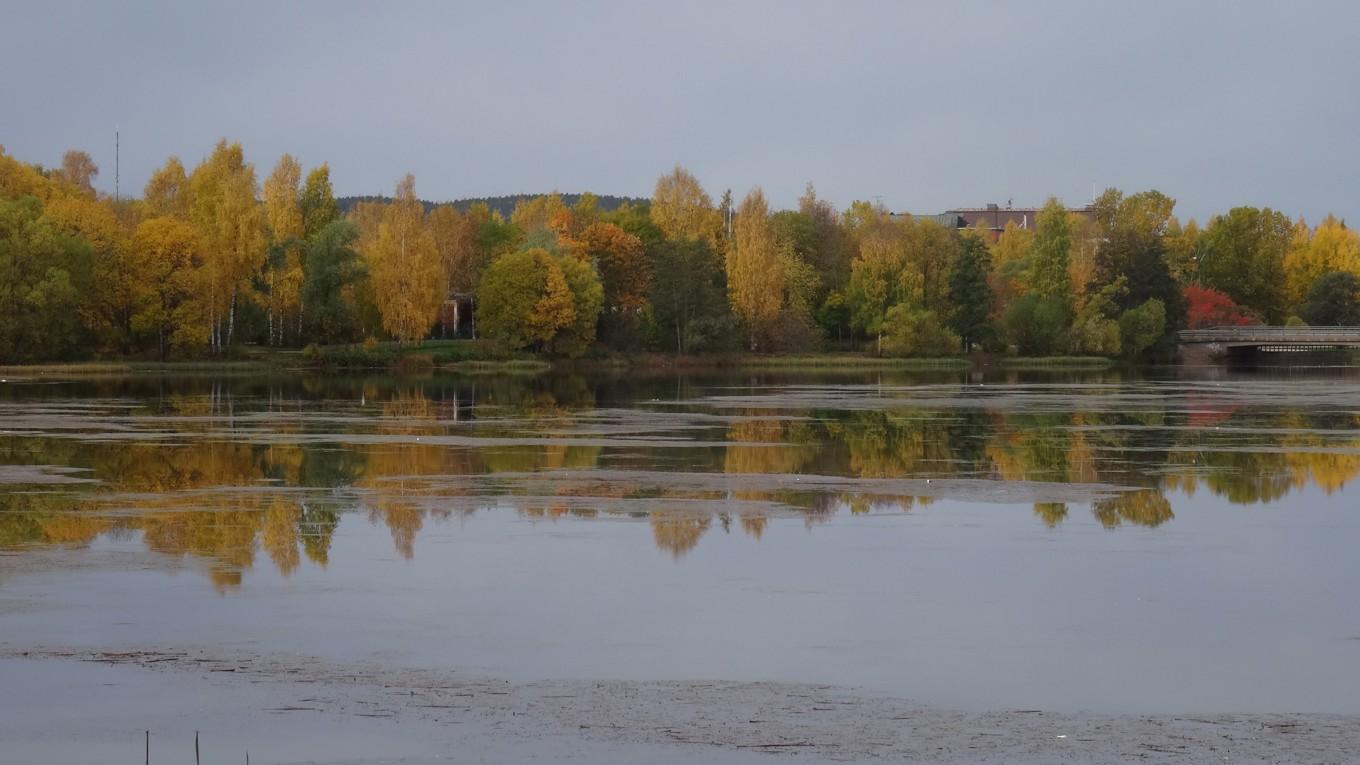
43 272
534 299
1096 327
1333 301
1133 252
970 293
1050 256
909 331
509 290
1036 325
688 286
331 267
1141 328
1243 256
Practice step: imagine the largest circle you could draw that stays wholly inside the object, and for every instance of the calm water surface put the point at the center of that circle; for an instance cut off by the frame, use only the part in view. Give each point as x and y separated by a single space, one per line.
1111 542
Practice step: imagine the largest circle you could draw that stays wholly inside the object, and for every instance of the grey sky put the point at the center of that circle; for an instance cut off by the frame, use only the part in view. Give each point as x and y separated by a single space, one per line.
926 106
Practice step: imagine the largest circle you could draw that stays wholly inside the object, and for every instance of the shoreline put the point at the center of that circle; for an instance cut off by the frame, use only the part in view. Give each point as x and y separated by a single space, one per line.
609 720
415 362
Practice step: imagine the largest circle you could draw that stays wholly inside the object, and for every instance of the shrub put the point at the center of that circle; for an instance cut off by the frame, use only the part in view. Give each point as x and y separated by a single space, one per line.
1140 328
911 331
1036 326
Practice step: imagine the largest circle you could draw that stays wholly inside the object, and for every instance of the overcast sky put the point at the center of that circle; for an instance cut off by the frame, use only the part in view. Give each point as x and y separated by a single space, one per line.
924 106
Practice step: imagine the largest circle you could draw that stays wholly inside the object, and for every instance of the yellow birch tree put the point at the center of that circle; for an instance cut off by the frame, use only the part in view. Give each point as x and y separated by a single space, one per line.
403 263
755 280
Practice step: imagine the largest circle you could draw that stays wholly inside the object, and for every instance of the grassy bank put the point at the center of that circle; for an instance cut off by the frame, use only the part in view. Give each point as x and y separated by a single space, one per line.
818 362
476 357
1055 362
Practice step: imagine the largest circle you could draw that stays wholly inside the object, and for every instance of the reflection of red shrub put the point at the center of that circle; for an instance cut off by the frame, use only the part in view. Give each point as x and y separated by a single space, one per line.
1204 412
1210 308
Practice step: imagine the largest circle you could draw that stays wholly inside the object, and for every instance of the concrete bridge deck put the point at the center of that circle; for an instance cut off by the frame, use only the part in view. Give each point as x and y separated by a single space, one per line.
1274 337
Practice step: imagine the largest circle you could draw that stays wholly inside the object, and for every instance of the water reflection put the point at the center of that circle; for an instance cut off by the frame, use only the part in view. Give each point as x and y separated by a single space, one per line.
222 471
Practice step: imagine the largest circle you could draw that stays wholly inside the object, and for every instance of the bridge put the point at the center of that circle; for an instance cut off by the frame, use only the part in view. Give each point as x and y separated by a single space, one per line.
1274 339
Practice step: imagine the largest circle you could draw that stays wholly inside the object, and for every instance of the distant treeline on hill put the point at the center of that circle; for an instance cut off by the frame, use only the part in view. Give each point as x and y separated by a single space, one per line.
505 205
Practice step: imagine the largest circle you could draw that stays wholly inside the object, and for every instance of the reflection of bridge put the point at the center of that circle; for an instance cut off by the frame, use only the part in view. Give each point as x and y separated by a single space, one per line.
1274 338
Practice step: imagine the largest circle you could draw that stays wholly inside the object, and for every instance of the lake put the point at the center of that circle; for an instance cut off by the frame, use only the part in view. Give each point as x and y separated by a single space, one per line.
1120 543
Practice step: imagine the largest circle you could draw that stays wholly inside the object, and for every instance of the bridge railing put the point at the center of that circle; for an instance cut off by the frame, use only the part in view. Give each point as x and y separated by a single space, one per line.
1250 334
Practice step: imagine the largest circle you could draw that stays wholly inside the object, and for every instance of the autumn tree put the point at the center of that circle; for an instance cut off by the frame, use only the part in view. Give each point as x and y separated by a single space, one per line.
167 192
683 210
754 276
1183 250
317 202
1010 263
223 205
830 249
532 298
587 298
625 275
168 252
1329 247
283 267
879 277
1206 308
537 212
403 265
78 169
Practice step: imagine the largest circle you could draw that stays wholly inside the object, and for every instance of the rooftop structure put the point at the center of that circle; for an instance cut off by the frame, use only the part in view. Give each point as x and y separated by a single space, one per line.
993 217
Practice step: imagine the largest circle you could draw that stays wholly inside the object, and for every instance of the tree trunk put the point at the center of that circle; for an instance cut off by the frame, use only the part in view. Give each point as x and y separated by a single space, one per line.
231 318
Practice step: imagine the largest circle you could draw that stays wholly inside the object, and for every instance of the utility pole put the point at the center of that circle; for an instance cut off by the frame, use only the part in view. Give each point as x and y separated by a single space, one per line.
115 163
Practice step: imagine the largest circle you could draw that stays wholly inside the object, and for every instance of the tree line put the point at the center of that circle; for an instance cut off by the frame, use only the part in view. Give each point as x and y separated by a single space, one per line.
210 258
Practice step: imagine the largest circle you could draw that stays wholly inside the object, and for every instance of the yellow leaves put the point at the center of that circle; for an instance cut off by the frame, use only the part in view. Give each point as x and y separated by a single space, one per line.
281 200
167 193
755 280
683 210
622 261
539 212
1330 247
555 308
164 253
404 267
455 237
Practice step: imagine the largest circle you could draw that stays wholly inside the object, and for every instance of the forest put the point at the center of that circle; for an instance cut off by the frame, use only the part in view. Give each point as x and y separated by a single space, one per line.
211 259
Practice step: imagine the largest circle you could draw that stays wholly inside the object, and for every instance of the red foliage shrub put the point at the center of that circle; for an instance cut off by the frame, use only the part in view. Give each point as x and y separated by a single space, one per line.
1207 307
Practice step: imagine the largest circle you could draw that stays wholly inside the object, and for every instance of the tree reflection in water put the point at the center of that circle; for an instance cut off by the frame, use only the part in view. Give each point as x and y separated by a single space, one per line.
219 473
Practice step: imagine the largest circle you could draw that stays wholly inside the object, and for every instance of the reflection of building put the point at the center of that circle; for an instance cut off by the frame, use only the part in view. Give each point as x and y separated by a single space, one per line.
993 218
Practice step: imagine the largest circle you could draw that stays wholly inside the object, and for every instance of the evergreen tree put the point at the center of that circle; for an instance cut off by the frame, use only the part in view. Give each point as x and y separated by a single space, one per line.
969 291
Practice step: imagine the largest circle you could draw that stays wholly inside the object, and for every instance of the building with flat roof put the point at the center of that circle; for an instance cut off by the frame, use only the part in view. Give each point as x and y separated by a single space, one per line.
993 218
